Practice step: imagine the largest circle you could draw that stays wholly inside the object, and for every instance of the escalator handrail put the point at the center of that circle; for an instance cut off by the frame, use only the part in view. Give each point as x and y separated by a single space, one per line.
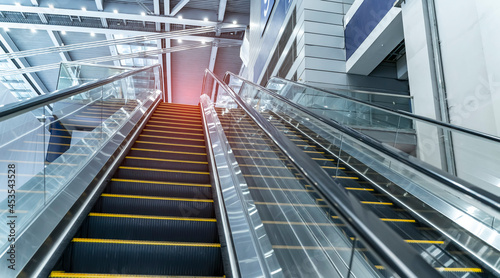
396 112
378 236
445 178
17 108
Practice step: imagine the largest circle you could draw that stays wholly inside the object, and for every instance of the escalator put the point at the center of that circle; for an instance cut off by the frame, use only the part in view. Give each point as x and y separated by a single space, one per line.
257 158
156 215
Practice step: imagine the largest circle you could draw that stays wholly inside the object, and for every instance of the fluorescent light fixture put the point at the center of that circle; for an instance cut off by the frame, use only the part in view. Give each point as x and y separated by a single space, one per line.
84 9
92 34
143 13
63 32
6 29
115 11
203 42
205 19
18 4
235 22
179 17
179 41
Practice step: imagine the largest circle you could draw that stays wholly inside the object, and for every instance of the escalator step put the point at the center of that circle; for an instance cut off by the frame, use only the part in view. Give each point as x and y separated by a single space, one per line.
62 274
139 152
125 172
145 257
169 146
143 227
159 189
171 140
172 164
148 205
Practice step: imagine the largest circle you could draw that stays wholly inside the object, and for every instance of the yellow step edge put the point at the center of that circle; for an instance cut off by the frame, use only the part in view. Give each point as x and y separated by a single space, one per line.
172 138
135 216
174 127
449 269
171 144
160 112
163 151
183 124
377 203
162 182
174 118
333 167
145 242
273 177
172 132
156 198
322 159
358 188
167 160
290 204
163 170
162 122
423 241
345 177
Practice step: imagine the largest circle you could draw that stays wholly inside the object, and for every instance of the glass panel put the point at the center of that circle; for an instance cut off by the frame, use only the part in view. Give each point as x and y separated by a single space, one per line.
48 151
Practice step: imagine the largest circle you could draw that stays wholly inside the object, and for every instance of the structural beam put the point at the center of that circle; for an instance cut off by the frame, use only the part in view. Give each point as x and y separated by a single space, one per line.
168 56
57 41
113 50
99 5
99 14
31 78
222 10
213 56
34 2
178 7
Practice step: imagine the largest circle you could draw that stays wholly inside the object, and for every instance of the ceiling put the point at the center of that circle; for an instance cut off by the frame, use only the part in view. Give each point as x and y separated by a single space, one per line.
42 24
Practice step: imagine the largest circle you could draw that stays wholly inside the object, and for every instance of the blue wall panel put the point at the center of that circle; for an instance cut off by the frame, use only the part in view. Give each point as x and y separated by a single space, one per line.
362 23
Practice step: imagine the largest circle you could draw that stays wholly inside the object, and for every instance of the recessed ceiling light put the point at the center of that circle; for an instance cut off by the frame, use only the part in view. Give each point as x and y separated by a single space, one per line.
51 6
33 30
205 19
203 42
115 11
179 40
84 9
235 22
92 34
143 13
6 29
179 17
18 4
63 32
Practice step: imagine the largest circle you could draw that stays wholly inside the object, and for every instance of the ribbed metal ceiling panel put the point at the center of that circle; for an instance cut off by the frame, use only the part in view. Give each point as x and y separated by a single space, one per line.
74 37
228 59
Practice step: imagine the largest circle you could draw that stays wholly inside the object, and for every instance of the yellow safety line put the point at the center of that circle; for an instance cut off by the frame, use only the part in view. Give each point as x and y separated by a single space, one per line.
289 204
345 177
299 223
176 138
28 151
182 124
167 160
377 203
397 220
97 214
449 269
145 242
164 170
279 189
173 118
156 198
164 121
332 167
172 132
163 182
162 151
273 177
177 115
171 144
176 127
358 188
424 241
322 159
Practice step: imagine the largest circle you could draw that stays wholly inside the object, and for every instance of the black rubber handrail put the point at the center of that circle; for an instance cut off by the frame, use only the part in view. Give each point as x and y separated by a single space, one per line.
394 111
17 108
445 178
398 255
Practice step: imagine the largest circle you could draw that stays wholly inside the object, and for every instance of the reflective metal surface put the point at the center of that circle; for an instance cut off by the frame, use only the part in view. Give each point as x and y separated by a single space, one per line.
249 246
375 235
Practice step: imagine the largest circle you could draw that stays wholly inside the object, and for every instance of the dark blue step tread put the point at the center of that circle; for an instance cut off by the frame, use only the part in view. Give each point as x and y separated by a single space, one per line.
159 228
150 205
145 257
62 274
